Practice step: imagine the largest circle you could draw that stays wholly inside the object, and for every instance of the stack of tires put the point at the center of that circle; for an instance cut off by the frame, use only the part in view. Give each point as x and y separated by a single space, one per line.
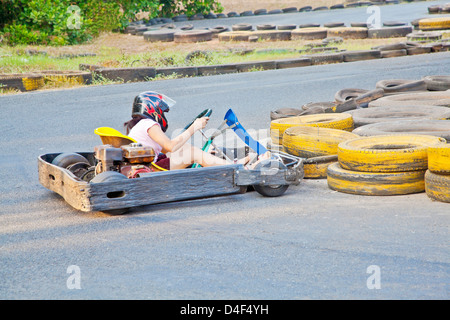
437 177
382 165
312 137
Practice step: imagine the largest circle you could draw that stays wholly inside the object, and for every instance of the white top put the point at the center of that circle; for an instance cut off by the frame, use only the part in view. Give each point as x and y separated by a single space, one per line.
140 133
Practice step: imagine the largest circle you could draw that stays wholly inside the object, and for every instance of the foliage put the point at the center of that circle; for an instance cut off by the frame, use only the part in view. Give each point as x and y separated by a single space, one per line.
55 22
170 8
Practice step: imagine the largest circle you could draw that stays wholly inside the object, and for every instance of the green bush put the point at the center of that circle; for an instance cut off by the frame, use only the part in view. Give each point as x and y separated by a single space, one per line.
55 22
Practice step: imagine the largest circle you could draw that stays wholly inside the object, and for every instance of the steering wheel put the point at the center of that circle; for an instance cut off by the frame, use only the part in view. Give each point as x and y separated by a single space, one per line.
204 113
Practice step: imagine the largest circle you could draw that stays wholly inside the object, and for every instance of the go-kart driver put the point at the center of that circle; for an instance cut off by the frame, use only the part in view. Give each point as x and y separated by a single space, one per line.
149 124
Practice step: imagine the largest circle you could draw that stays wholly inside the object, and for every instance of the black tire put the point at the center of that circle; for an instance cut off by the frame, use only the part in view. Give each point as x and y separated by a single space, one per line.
192 36
260 12
22 81
287 27
366 116
393 53
284 113
334 24
394 23
108 176
437 128
352 56
326 58
309 25
275 11
270 191
266 27
64 160
289 10
163 35
401 85
241 27
437 83
389 32
349 93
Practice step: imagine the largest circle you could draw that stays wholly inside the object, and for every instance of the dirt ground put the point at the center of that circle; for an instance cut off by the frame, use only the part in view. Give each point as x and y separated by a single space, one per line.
240 6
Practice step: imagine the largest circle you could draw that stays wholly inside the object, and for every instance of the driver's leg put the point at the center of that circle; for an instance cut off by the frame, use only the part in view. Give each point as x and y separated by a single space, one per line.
189 154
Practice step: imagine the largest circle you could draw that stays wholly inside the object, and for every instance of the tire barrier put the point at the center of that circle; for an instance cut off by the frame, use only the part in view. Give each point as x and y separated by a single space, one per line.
424 36
437 83
326 58
394 23
401 85
127 74
366 116
374 183
346 94
437 128
309 142
287 27
316 167
439 159
387 153
266 27
334 24
234 36
340 121
430 98
284 113
241 27
394 53
434 24
418 50
437 186
309 33
389 32
67 77
351 56
348 32
192 36
22 81
162 35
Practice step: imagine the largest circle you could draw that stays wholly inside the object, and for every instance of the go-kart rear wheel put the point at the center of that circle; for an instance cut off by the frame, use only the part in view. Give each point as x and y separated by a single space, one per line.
66 159
108 176
268 190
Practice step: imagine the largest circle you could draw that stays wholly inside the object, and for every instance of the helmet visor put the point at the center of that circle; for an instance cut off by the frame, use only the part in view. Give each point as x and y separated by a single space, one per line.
168 103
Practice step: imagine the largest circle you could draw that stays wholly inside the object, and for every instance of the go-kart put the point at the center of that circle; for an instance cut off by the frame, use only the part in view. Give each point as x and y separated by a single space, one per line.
120 173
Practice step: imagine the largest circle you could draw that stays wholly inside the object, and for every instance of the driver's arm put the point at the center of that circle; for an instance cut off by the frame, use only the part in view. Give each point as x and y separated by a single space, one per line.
172 145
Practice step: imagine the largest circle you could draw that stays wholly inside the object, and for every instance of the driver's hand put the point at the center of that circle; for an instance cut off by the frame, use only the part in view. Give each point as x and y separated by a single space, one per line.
200 123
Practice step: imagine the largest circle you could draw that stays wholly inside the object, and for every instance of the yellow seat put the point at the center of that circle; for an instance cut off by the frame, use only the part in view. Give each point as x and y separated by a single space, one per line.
113 137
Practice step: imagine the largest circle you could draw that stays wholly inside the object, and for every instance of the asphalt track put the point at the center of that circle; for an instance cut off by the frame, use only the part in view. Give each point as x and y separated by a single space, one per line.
311 243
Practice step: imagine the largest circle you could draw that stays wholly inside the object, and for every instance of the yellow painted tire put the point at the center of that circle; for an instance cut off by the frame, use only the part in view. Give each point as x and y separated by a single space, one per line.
308 142
439 159
437 186
316 167
341 121
374 183
387 153
434 23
